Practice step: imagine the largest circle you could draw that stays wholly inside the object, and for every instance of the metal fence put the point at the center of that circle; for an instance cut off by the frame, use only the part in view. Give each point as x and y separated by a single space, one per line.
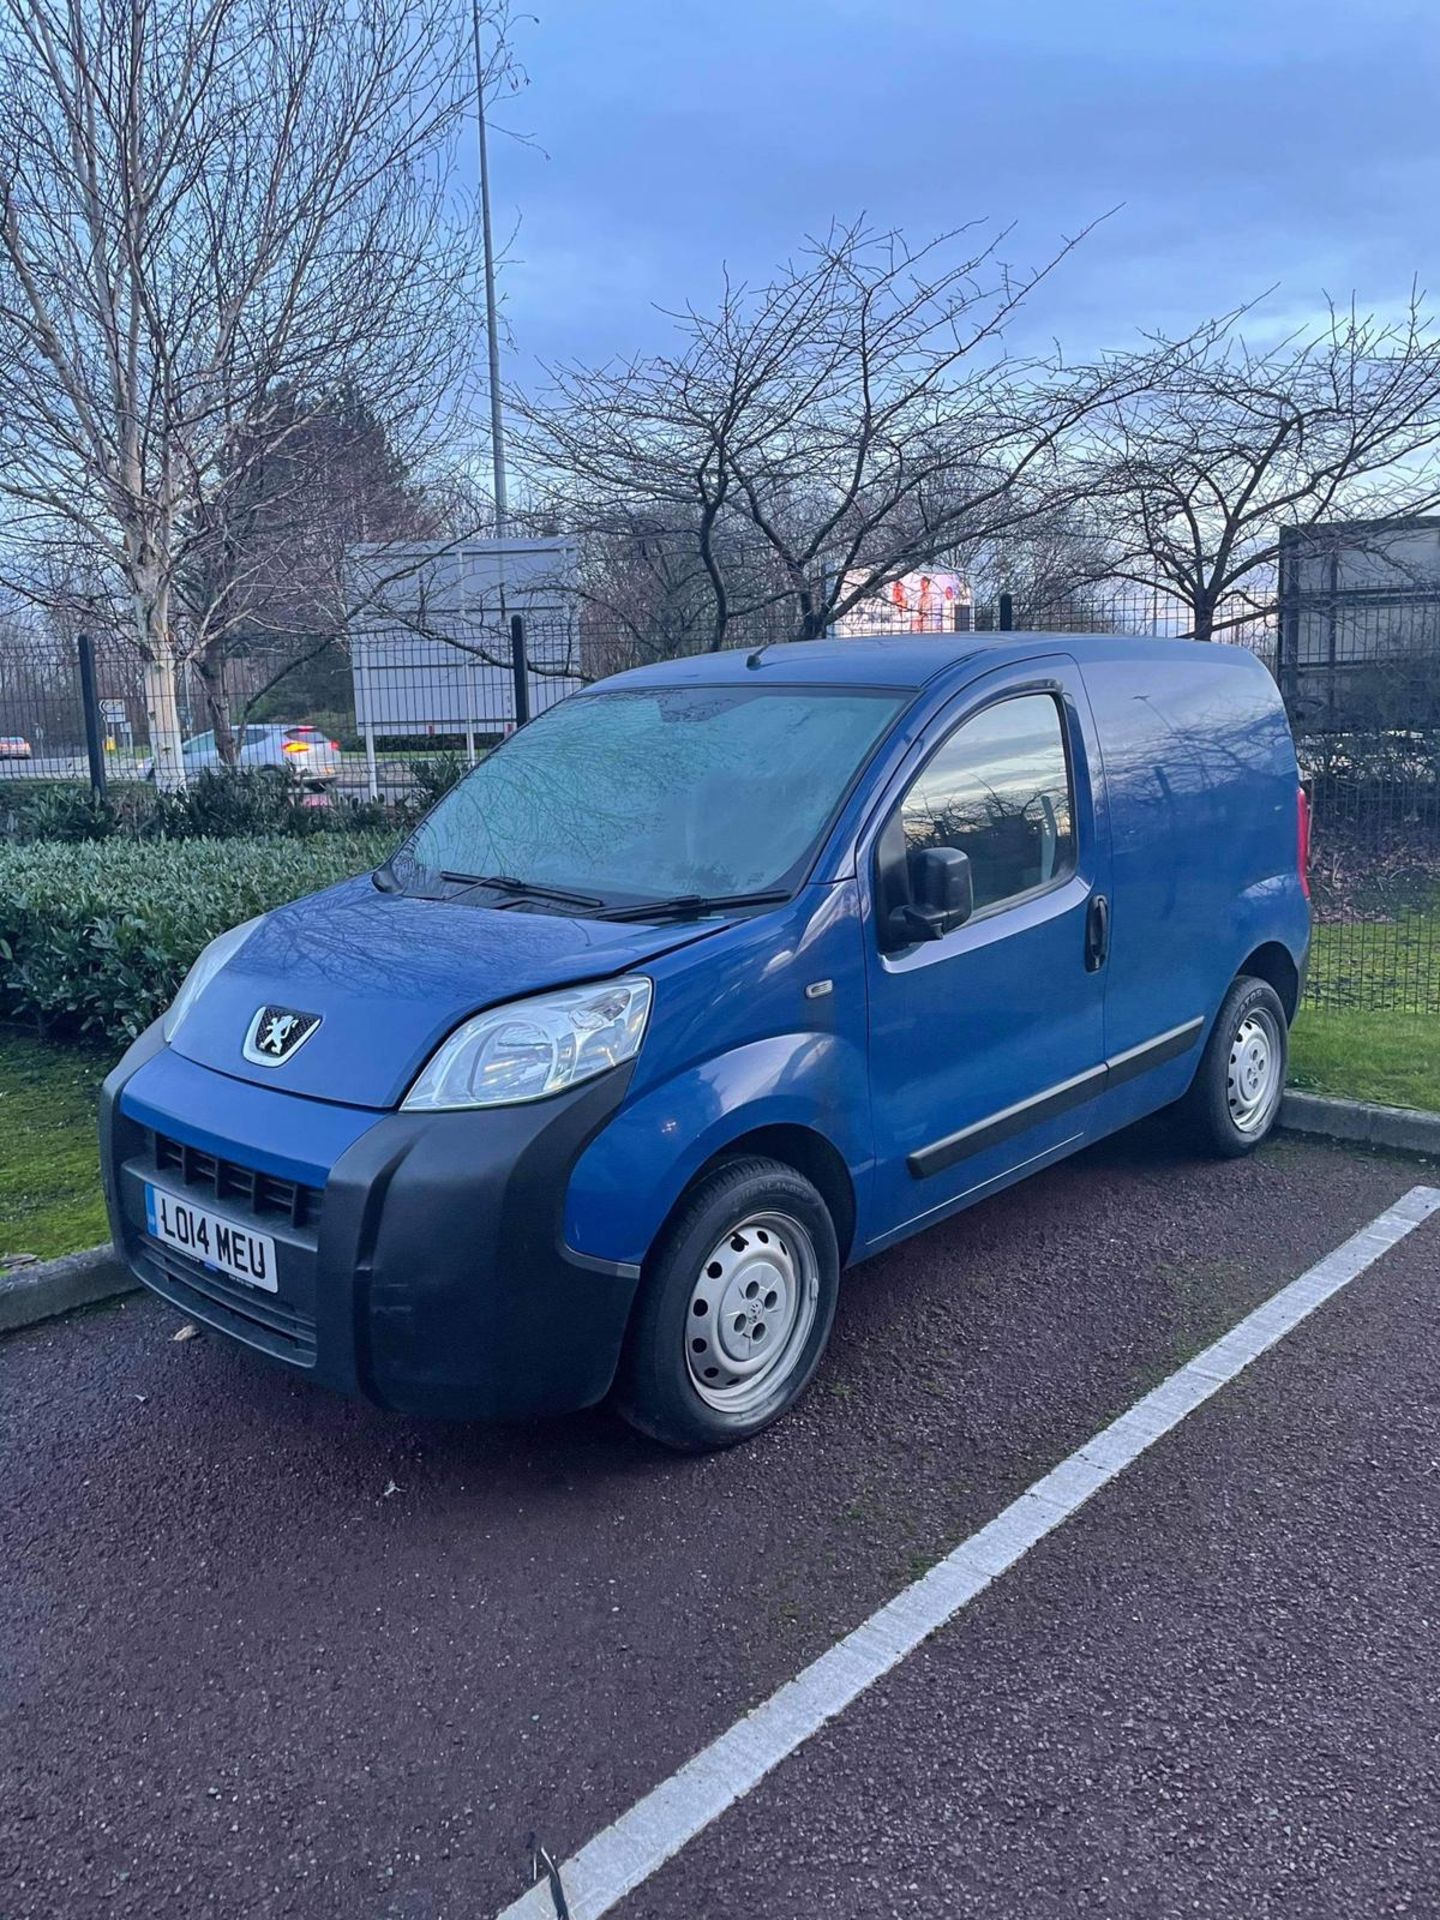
395 702
1359 624
380 702
1375 888
1150 612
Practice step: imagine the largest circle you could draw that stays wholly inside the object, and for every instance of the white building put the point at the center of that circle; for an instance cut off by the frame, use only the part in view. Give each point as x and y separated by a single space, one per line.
430 635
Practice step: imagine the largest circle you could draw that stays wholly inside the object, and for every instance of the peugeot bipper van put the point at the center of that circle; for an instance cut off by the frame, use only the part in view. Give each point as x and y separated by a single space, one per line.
712 981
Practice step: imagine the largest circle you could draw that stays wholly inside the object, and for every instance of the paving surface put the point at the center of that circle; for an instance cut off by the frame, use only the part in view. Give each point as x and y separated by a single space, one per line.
266 1653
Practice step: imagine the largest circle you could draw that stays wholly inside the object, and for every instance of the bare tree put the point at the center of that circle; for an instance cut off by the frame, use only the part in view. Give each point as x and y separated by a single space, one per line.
813 438
216 218
1207 451
1058 564
265 584
646 592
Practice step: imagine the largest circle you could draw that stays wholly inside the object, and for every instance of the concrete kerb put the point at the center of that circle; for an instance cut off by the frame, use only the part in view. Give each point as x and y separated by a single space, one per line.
32 1293
1361 1123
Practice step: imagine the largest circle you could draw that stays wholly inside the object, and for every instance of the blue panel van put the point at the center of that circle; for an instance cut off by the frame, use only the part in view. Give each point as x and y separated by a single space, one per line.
712 981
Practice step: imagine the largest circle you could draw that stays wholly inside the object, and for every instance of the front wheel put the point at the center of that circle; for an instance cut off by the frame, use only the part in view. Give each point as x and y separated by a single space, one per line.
1234 1100
735 1310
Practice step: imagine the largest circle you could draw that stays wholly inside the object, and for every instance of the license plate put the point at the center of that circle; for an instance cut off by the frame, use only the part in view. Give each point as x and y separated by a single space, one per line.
220 1244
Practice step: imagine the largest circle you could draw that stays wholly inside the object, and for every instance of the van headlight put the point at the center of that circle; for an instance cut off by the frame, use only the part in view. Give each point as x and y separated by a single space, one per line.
212 958
533 1048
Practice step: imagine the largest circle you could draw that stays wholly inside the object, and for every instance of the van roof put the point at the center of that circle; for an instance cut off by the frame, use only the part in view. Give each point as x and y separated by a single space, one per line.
904 660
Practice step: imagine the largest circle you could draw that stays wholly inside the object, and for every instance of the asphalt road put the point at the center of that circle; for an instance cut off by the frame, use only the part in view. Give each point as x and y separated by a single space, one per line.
42 766
1214 1692
266 1653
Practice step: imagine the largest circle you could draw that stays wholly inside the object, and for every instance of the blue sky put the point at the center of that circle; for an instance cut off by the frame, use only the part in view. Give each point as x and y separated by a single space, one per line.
1244 145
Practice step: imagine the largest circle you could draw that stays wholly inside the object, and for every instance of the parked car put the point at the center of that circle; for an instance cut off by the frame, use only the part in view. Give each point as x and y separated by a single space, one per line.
293 747
712 981
14 746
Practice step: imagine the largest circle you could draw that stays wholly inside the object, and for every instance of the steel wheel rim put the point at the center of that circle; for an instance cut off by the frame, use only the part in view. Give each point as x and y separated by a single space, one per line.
1252 1073
751 1312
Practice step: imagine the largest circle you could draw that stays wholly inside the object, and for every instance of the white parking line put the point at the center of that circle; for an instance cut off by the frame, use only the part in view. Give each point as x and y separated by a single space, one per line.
626 1853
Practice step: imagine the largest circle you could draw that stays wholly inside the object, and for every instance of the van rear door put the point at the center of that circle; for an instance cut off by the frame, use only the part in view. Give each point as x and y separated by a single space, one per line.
988 1043
1201 793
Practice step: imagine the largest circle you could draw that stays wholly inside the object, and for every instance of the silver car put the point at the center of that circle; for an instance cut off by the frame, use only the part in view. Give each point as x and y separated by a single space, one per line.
295 748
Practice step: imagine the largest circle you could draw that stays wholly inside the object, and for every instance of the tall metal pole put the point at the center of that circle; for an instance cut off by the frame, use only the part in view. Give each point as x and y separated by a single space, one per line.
497 425
492 321
90 705
520 667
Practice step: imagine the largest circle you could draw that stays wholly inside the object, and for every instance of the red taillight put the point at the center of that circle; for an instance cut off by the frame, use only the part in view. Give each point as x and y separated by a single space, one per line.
334 746
1302 839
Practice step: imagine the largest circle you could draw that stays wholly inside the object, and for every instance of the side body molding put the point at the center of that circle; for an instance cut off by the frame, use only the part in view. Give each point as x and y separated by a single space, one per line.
1004 1125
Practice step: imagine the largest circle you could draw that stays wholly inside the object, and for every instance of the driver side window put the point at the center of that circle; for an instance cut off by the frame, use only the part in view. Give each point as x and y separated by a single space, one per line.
999 791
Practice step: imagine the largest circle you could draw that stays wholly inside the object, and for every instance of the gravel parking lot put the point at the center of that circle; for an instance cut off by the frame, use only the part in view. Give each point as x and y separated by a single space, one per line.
267 1653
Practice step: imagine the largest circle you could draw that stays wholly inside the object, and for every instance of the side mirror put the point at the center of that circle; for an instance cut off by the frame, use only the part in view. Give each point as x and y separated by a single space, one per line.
943 895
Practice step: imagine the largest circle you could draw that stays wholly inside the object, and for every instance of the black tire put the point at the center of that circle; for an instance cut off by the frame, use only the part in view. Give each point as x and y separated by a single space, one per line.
655 1390
1212 1112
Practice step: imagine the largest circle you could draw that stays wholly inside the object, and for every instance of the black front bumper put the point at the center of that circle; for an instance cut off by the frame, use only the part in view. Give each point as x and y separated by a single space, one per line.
429 1274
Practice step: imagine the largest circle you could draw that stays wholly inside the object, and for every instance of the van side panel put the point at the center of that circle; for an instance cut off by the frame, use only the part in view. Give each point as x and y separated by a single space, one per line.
1201 778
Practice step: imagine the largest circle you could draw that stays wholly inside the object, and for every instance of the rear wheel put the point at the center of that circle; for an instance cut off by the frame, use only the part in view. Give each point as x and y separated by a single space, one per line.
735 1310
1234 1100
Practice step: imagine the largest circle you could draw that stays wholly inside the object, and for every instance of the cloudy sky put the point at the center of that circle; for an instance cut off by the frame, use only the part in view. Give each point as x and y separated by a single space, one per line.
1243 146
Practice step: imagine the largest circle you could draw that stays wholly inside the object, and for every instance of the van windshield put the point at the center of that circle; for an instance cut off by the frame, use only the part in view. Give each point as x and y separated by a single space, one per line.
647 793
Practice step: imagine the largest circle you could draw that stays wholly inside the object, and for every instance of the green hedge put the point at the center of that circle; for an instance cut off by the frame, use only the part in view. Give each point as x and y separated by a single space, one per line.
96 938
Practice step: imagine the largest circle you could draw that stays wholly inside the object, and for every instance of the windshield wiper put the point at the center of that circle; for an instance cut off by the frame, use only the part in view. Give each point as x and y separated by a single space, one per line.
686 904
525 889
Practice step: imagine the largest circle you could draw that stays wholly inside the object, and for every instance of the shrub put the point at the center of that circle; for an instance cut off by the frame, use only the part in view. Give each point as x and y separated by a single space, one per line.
253 802
68 809
434 777
357 813
239 804
96 939
236 804
70 813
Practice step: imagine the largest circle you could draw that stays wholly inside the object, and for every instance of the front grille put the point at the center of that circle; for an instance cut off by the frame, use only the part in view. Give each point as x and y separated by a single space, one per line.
259 1319
262 1193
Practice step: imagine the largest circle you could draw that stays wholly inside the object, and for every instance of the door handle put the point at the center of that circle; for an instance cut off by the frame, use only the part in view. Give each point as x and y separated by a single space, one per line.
1097 933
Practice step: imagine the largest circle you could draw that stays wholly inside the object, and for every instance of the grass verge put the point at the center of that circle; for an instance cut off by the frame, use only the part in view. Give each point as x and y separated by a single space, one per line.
49 1165
1390 1057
